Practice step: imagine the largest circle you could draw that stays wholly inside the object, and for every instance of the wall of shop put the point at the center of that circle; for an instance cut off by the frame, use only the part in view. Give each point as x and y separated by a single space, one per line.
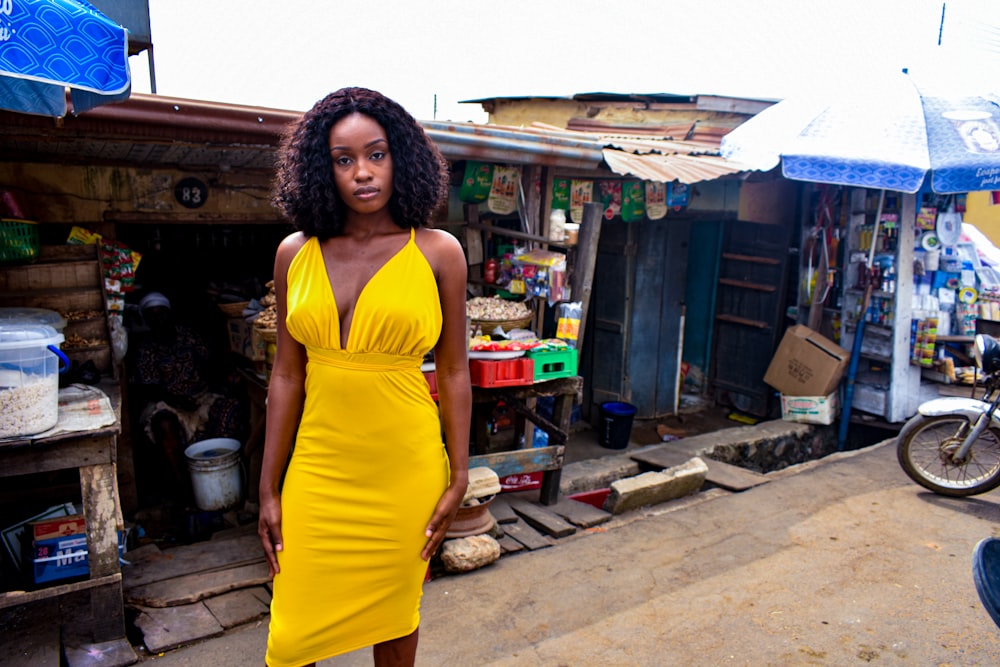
70 194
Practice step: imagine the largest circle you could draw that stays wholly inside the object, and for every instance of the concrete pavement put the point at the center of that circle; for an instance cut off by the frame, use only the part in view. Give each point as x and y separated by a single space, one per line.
839 561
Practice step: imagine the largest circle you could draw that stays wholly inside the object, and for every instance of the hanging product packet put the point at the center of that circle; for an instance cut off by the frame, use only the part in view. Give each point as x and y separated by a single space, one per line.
656 200
560 194
678 195
610 196
633 201
580 193
476 183
568 322
503 192
927 218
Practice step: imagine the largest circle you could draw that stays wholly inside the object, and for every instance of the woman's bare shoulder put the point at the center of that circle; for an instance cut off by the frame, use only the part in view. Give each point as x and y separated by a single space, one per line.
292 243
439 245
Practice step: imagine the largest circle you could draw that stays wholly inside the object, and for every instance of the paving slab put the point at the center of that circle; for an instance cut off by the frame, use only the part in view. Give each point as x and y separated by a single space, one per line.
238 607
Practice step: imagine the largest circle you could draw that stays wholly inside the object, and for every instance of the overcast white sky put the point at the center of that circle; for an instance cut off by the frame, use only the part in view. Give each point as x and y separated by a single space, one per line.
290 53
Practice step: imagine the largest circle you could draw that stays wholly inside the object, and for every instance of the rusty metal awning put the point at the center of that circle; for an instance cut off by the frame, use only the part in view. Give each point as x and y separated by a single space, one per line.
195 134
667 168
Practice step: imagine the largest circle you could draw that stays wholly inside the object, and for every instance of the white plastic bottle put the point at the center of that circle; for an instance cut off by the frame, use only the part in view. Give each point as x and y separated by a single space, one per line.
557 225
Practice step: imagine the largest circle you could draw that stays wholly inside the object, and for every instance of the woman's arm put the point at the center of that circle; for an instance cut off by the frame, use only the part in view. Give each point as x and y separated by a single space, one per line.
285 398
454 385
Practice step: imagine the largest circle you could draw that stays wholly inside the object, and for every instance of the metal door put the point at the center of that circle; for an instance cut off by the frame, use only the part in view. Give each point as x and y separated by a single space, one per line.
638 307
750 305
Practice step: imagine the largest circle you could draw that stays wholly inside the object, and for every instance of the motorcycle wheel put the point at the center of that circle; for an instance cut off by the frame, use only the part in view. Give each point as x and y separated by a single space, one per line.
924 447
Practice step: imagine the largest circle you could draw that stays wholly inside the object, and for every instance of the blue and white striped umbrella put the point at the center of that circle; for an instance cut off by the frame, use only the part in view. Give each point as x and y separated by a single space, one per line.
895 136
47 46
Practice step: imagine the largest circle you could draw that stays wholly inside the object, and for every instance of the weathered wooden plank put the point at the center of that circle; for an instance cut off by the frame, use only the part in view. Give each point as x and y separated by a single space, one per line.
97 483
542 518
194 587
580 514
62 300
168 628
18 598
192 559
509 545
724 475
239 607
55 275
521 461
526 535
501 510
61 452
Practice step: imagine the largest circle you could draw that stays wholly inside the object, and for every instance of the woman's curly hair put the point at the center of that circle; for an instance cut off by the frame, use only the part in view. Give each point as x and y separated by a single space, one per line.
304 187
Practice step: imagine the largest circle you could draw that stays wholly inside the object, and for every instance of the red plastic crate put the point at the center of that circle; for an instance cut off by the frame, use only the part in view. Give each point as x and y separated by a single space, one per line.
594 498
506 373
522 482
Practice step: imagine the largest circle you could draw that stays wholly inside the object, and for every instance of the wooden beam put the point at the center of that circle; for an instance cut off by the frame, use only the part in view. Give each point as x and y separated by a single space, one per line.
582 283
521 461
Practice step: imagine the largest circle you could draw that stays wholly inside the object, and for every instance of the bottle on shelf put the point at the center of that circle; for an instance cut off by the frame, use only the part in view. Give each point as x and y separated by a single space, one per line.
557 225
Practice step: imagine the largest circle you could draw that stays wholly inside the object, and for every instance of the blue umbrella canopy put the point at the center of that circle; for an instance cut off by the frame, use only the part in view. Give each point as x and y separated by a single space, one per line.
894 136
47 46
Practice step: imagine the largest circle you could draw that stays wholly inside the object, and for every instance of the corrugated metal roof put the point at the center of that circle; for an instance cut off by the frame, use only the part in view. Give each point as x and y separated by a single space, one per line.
668 168
150 129
661 159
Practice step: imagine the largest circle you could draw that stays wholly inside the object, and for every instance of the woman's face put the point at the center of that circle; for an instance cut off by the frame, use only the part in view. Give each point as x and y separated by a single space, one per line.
362 166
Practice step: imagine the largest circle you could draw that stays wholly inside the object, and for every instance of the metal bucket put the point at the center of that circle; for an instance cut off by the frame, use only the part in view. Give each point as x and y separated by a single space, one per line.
216 480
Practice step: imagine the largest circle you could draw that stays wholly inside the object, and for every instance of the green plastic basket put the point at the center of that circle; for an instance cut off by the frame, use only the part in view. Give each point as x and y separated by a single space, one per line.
19 240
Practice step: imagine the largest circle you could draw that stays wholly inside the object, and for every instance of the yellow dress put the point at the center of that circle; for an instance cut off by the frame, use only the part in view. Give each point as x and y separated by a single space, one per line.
368 466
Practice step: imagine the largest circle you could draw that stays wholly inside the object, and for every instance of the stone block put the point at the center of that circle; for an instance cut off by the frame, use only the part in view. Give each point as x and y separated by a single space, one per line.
483 482
652 488
469 553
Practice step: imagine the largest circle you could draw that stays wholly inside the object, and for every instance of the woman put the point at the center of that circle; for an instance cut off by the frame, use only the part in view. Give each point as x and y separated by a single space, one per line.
364 290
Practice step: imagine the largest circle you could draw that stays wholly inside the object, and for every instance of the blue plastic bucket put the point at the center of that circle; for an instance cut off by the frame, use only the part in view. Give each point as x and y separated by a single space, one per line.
616 424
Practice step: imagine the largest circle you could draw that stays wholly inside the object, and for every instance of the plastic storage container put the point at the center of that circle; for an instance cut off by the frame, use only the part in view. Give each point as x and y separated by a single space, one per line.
29 378
616 424
33 316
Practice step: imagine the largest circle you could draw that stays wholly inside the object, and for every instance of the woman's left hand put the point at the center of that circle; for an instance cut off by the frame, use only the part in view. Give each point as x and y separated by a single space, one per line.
444 514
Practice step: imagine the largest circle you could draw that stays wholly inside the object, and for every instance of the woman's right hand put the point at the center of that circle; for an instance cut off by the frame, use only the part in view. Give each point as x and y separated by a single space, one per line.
269 531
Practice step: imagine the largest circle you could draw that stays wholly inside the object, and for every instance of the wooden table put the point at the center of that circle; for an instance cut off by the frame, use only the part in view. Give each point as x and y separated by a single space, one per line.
92 454
548 460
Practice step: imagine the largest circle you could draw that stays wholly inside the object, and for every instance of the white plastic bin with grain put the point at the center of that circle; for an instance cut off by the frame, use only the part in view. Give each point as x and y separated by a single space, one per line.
29 378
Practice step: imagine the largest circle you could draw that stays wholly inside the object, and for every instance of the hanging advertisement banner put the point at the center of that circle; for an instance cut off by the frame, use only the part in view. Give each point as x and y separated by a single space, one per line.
503 192
633 201
580 193
656 200
476 183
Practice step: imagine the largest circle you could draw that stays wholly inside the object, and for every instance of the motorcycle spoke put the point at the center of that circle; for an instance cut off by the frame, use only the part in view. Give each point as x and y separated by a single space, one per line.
930 448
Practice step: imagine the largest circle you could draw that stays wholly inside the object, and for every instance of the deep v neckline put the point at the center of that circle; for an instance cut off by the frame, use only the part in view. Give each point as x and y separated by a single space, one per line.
344 341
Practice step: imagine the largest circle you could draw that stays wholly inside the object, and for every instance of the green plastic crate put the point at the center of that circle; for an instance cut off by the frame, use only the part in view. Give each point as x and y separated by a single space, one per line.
553 363
19 241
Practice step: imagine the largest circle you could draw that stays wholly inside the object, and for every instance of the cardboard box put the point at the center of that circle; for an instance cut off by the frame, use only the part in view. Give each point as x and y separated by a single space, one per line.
64 557
65 526
244 341
806 364
810 409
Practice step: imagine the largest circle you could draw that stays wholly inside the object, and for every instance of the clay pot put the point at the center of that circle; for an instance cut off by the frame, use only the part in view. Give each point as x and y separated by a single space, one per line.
473 518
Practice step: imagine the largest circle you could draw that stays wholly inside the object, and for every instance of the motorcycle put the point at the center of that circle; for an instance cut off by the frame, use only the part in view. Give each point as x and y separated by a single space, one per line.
952 445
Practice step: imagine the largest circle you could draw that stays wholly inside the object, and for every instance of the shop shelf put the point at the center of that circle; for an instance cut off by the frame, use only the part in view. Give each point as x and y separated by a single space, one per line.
505 373
550 364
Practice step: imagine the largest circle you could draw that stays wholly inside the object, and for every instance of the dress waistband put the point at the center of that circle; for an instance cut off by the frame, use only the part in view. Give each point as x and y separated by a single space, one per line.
376 361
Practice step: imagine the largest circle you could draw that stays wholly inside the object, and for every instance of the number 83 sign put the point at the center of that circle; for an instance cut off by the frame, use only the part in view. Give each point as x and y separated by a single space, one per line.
191 192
